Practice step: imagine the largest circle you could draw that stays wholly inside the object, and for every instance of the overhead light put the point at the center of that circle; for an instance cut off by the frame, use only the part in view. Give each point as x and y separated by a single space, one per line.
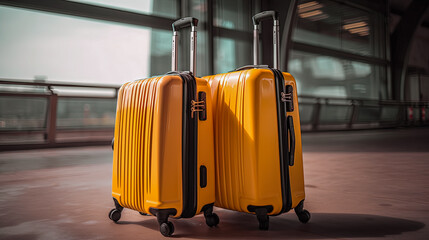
354 25
358 30
308 4
306 9
310 14
319 17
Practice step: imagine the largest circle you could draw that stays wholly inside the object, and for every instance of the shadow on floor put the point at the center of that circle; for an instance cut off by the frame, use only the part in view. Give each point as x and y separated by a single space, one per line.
322 226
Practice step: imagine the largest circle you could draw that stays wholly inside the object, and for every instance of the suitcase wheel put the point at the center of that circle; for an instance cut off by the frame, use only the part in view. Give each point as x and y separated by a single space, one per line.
304 216
264 225
212 220
263 219
114 215
166 229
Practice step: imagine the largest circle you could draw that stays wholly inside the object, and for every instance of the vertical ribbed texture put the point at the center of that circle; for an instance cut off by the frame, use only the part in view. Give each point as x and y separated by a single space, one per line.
229 122
136 104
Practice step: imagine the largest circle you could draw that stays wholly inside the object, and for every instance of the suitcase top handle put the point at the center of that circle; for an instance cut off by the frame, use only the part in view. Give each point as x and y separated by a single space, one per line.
180 24
276 50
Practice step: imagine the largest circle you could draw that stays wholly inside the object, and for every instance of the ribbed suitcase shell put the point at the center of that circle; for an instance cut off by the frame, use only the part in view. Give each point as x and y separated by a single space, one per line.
247 141
147 162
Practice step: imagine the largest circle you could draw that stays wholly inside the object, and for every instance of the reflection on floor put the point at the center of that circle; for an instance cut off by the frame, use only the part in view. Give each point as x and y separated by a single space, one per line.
364 184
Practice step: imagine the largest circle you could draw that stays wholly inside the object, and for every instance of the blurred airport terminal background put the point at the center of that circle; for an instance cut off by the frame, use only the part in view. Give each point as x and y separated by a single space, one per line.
358 64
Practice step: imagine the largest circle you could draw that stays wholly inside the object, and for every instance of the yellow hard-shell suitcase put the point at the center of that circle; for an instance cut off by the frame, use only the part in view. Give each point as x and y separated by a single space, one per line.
258 151
163 161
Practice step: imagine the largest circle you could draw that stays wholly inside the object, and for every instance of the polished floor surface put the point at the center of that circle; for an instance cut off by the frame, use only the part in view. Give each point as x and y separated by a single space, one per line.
360 185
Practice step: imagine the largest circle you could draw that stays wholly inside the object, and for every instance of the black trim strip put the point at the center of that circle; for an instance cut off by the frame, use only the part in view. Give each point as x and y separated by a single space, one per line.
283 141
189 148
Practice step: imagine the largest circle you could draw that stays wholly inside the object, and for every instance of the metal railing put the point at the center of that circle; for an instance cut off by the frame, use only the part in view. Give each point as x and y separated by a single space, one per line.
37 114
319 113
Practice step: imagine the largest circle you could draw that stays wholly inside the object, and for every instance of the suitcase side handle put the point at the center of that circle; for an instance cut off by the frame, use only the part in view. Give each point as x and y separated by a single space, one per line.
250 67
291 131
276 39
180 24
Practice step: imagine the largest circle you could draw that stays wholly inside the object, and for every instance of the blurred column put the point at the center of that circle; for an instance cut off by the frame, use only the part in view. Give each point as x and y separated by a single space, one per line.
401 40
51 123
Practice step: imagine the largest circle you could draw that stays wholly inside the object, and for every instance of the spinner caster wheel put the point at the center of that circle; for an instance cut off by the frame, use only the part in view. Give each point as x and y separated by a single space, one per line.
212 220
304 216
114 215
166 229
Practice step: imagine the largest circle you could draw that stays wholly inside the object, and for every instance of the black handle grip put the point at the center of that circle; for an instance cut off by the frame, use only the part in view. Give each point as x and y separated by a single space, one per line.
259 17
291 130
184 22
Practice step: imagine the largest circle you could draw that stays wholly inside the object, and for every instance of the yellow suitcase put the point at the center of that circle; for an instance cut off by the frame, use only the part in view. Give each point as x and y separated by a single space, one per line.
163 161
258 151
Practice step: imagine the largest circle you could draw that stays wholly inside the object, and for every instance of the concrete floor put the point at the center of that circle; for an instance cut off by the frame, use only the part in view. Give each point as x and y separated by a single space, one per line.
360 185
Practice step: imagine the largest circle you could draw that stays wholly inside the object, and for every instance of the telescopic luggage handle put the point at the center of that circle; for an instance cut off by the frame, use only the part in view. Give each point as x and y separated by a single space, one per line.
177 25
256 20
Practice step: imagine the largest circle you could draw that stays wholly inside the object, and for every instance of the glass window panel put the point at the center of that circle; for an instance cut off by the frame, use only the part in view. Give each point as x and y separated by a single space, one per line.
326 76
23 113
235 14
230 54
224 58
338 26
57 47
160 57
335 114
368 114
306 113
424 86
356 31
318 23
412 88
389 113
81 113
426 117
164 8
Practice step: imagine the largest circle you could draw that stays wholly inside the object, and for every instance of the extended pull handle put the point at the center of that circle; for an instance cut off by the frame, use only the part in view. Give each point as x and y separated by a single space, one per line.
180 24
291 131
259 17
184 22
276 39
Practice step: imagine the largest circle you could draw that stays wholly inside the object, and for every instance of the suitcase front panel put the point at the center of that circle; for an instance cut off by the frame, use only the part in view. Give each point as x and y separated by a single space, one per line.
246 140
147 166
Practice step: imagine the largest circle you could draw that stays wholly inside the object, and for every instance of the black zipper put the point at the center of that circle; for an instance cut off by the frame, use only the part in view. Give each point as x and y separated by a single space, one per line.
283 141
189 147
